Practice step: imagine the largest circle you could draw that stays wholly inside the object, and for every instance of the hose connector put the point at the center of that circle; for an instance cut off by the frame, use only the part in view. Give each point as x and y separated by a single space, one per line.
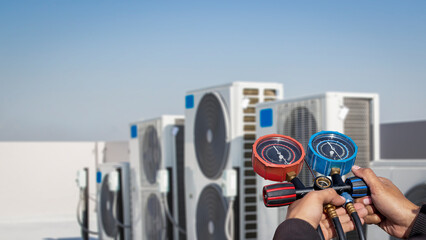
349 205
330 210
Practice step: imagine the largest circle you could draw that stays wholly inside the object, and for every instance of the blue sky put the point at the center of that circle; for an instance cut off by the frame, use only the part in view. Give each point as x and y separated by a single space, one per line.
78 70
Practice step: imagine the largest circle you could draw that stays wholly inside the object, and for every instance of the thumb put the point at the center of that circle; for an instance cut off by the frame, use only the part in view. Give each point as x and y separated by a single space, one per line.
369 177
329 195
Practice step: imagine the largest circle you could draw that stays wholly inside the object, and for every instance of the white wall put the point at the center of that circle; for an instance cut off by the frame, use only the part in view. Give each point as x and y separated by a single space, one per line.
39 194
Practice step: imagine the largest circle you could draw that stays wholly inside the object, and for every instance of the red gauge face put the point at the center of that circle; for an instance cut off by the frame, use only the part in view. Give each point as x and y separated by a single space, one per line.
278 150
276 155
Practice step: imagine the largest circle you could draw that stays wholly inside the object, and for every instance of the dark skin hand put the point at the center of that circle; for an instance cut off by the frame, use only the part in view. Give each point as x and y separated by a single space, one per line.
310 209
387 206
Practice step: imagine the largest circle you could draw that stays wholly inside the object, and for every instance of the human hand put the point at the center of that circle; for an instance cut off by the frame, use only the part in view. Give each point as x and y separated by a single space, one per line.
310 207
345 219
387 206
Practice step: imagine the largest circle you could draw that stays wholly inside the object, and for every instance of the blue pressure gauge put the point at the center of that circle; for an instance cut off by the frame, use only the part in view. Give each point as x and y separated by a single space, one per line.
327 150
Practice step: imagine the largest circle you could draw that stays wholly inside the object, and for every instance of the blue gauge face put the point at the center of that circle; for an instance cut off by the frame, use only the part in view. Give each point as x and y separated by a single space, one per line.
278 150
334 147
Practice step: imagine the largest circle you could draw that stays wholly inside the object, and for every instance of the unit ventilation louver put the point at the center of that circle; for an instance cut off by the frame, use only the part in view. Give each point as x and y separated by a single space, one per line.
358 126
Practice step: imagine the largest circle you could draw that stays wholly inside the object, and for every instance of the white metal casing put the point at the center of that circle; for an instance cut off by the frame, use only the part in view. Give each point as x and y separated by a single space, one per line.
330 113
405 174
103 170
165 126
233 101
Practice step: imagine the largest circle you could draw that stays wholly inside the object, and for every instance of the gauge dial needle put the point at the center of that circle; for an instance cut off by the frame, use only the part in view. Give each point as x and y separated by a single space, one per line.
334 150
279 154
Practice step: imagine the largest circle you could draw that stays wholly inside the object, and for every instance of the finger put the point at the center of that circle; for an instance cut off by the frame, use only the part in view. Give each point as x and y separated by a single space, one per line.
369 177
331 233
340 211
327 229
362 200
326 223
371 209
361 210
329 195
344 218
372 219
348 226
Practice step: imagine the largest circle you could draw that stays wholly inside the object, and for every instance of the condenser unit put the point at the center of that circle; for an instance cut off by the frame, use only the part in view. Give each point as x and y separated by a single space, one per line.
156 145
354 114
113 201
409 176
220 128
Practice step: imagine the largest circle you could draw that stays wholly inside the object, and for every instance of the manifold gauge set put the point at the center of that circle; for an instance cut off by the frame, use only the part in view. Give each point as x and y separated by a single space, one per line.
331 154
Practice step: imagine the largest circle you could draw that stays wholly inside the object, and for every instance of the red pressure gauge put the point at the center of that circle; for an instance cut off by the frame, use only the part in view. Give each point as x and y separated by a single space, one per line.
275 155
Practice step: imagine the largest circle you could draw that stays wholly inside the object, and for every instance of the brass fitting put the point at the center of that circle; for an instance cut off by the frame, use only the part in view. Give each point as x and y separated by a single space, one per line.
290 176
350 208
334 171
330 210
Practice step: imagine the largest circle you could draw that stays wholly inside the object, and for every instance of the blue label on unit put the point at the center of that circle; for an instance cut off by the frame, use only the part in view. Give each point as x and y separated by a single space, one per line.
189 101
134 131
266 117
98 177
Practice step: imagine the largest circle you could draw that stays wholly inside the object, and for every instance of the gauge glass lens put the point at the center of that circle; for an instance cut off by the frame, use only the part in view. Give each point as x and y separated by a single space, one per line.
334 147
279 151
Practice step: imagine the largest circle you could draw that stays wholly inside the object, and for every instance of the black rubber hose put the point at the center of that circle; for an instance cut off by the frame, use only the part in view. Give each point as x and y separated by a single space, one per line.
358 225
321 235
339 229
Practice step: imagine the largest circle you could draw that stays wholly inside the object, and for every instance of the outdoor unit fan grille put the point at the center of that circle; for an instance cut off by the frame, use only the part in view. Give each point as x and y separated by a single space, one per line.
211 213
151 153
210 136
107 210
155 224
249 184
300 120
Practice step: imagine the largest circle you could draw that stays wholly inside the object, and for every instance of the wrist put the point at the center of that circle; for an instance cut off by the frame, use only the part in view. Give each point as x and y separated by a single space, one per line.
411 217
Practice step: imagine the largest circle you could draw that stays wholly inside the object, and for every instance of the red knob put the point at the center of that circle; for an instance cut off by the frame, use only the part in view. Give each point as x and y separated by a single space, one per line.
280 194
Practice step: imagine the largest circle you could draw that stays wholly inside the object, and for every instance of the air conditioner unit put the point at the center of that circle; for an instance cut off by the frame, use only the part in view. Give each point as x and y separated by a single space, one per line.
220 128
113 201
157 145
354 114
409 176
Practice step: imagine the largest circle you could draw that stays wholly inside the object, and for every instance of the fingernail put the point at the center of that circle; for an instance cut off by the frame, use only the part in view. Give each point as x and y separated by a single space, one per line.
367 201
355 167
344 199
